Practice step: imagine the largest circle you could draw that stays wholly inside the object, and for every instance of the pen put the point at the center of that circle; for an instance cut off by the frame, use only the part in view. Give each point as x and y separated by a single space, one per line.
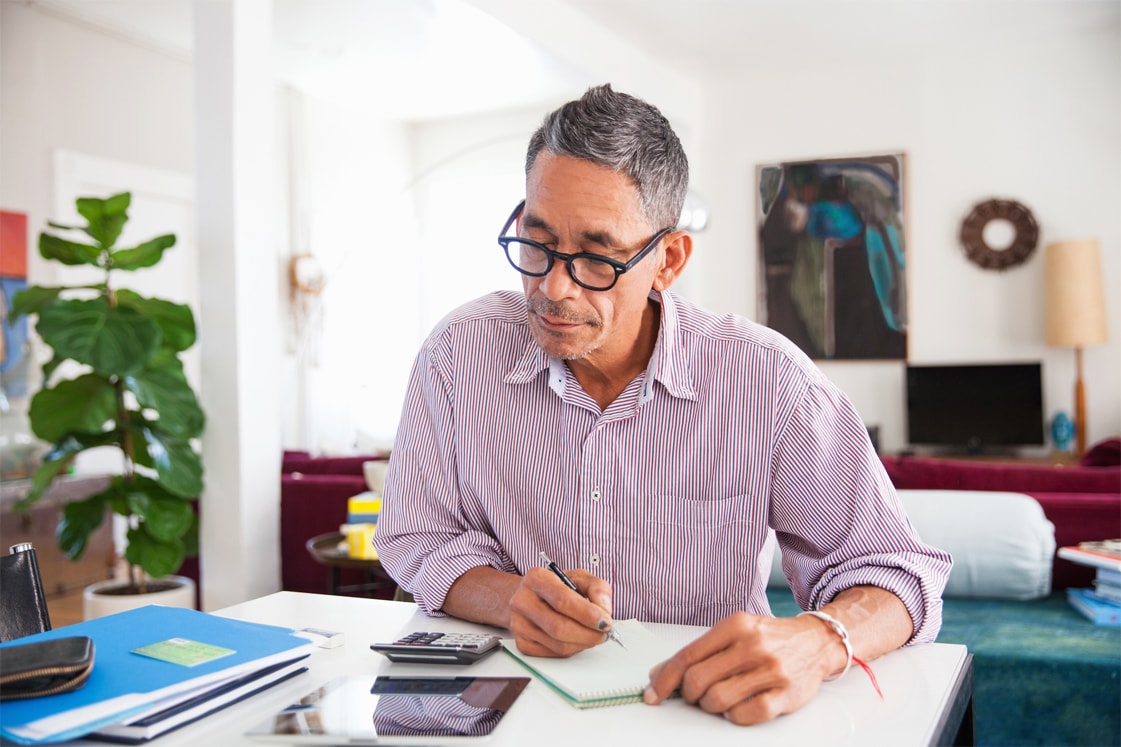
568 582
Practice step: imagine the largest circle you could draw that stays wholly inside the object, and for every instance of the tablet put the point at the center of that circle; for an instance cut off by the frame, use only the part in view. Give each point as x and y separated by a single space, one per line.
380 709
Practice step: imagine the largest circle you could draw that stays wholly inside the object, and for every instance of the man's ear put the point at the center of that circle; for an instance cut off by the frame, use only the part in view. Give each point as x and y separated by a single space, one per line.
679 247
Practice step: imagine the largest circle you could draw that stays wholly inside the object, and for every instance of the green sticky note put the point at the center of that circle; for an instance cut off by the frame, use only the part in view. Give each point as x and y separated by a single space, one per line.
183 651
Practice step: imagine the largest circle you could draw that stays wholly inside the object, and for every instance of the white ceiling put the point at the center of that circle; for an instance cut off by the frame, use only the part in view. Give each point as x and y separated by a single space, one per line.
712 37
420 59
408 59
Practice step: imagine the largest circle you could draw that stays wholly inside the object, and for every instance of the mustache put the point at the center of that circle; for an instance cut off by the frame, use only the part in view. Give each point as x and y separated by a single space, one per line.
545 307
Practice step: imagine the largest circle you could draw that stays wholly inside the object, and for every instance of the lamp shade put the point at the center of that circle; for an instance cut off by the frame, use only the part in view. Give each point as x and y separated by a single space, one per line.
1075 296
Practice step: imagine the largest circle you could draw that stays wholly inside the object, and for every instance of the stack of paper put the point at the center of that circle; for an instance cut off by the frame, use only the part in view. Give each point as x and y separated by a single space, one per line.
149 660
180 710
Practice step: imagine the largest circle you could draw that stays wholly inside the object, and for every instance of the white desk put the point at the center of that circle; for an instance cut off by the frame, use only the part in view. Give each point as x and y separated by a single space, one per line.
927 690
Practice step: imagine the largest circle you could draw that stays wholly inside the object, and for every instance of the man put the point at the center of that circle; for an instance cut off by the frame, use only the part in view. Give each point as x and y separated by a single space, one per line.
645 445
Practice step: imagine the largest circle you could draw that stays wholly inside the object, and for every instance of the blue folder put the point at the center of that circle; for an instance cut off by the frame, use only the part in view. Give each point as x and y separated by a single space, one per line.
118 674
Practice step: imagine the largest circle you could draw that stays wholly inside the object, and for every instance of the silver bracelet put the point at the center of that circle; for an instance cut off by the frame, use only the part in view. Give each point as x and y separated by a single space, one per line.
840 630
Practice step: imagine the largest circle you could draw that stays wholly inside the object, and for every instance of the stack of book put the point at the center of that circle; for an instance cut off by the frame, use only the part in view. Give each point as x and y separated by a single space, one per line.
156 669
1102 603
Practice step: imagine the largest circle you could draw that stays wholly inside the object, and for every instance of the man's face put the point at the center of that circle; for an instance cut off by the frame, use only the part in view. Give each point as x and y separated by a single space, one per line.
575 206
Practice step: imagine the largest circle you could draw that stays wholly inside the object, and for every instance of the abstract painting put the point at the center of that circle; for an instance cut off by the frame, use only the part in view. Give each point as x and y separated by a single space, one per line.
832 255
14 358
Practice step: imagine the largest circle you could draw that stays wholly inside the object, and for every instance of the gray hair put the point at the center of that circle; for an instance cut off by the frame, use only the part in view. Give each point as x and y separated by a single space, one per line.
626 135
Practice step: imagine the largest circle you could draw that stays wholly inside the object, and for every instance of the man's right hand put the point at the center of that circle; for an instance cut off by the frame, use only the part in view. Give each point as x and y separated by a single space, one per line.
546 617
549 619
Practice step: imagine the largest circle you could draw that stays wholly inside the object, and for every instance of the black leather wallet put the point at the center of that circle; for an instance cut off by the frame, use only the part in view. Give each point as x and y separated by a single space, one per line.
25 608
29 670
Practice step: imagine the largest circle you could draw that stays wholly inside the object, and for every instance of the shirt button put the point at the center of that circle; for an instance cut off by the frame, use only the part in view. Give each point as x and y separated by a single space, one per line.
595 559
595 494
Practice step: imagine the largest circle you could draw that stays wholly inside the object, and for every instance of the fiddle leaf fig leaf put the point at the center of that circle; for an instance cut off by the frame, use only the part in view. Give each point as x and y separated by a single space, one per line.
79 520
166 391
176 320
53 463
106 217
84 405
155 556
113 340
57 459
32 299
68 252
145 255
138 441
166 517
178 467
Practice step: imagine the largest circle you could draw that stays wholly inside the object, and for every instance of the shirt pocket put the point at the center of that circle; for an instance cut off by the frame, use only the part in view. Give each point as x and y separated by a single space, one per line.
699 562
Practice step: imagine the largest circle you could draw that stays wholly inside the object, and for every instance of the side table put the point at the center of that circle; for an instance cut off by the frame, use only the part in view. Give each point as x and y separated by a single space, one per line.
38 524
325 549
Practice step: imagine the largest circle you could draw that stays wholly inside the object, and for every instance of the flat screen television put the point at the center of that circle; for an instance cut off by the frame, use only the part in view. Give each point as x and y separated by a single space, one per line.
975 408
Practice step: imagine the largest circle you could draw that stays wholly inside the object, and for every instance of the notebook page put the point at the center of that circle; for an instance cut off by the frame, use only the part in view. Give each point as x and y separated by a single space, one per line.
605 675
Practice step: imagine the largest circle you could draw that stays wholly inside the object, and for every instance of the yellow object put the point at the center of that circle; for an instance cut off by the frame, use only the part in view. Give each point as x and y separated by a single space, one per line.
363 504
360 541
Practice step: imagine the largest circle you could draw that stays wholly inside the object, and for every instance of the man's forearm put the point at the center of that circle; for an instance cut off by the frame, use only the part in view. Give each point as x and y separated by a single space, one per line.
482 595
876 619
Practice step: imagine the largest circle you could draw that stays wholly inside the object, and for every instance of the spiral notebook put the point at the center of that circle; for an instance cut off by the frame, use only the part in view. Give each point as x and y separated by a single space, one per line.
606 675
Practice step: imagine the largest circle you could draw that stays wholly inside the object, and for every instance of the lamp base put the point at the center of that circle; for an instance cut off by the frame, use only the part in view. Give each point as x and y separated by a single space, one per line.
1079 406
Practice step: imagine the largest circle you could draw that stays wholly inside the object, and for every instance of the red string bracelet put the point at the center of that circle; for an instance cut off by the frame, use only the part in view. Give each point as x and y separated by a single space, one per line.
838 627
871 676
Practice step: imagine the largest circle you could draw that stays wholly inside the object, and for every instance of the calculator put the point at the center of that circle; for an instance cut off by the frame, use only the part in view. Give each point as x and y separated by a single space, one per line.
424 647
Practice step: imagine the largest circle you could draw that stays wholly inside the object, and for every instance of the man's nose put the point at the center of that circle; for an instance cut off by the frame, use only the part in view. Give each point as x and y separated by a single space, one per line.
558 283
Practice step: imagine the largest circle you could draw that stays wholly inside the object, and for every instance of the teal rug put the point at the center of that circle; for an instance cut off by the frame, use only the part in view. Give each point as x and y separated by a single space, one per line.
1044 675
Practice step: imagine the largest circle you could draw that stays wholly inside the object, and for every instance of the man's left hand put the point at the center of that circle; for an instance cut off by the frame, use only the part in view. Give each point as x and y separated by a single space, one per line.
751 668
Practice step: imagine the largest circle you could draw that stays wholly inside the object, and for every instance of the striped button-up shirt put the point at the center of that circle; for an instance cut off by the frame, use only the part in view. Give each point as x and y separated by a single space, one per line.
668 495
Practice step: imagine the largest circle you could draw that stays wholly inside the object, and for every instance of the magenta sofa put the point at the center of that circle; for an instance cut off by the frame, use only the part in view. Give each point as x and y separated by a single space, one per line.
313 500
1083 502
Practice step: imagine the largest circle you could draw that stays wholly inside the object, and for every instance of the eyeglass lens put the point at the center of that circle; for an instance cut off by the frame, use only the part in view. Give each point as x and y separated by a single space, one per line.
531 259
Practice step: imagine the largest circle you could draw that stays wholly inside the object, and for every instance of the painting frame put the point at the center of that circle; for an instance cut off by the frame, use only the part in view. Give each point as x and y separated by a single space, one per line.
831 254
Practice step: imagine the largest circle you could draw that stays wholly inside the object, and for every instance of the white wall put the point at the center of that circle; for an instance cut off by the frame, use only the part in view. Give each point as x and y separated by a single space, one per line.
64 85
1036 122
361 226
404 219
468 175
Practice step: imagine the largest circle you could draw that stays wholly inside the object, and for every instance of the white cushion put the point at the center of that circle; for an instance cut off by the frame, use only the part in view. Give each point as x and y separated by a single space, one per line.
1002 543
374 472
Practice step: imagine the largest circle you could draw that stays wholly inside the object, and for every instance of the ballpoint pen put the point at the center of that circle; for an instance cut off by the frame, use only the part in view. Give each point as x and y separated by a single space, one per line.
568 582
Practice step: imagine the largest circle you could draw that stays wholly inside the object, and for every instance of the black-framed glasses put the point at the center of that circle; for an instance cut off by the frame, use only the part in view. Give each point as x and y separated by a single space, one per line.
592 271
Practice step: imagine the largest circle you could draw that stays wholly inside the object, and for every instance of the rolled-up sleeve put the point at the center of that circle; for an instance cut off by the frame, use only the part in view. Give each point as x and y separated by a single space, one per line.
839 520
424 539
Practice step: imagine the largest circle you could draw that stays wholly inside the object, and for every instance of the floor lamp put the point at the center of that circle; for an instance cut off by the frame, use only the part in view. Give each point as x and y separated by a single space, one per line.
1075 311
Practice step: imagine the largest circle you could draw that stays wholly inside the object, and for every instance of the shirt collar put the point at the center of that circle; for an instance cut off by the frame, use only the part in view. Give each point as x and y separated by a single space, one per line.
669 363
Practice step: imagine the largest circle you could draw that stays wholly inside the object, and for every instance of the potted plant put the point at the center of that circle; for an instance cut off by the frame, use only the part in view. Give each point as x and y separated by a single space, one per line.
129 392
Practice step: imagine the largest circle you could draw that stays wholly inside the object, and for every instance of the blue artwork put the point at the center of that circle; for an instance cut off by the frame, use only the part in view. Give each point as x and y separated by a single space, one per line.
832 256
14 361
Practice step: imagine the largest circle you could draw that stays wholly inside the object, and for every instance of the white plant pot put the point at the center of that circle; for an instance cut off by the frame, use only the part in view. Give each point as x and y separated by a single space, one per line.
95 603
